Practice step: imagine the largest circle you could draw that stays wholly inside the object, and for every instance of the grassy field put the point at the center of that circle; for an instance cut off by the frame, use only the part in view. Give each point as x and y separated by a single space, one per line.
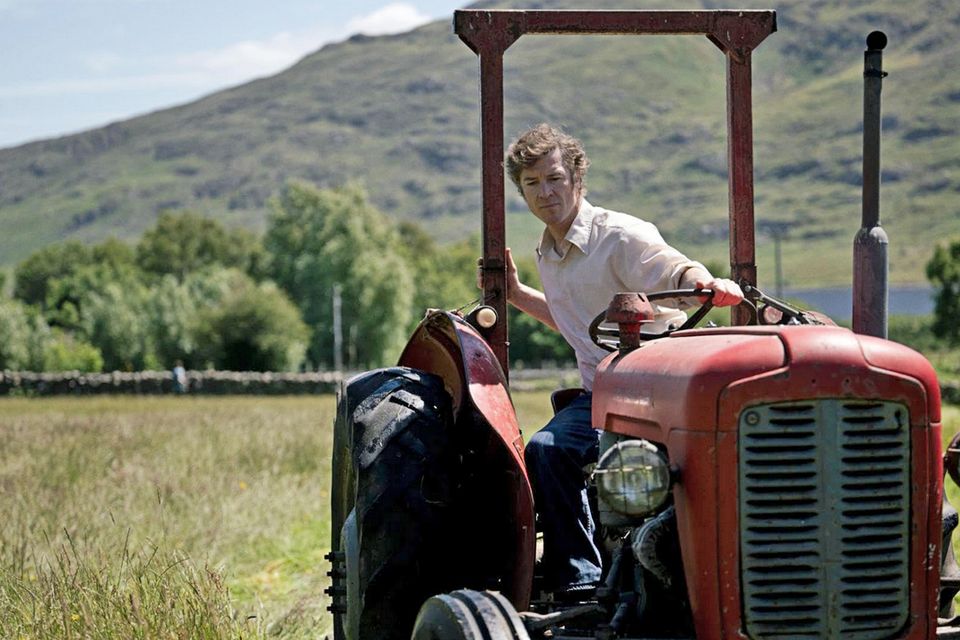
168 517
172 517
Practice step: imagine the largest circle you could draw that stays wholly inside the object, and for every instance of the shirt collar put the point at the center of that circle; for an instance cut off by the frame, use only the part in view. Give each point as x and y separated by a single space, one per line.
577 235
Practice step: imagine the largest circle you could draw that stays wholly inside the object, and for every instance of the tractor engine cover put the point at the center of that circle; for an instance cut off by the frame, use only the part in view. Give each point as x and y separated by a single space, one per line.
807 463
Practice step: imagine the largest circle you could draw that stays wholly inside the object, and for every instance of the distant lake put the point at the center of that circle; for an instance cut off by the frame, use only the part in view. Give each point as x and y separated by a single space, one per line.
837 302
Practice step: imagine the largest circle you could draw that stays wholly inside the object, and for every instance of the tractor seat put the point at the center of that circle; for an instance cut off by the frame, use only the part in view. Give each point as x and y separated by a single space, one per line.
562 397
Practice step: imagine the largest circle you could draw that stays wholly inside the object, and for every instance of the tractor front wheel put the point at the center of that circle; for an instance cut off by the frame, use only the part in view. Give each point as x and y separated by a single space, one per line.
404 468
468 615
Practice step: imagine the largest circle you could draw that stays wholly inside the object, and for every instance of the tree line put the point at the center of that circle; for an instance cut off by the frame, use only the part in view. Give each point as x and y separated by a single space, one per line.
194 291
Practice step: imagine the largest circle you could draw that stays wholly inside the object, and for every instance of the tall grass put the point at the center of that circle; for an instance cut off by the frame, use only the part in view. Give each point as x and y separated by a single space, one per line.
169 517
164 517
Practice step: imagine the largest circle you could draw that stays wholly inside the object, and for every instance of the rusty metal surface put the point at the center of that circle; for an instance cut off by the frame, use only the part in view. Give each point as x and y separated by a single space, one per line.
630 311
737 31
445 345
688 391
743 263
490 33
489 38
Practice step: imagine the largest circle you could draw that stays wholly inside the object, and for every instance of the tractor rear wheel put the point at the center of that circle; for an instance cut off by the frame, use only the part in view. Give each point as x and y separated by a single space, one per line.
404 464
468 615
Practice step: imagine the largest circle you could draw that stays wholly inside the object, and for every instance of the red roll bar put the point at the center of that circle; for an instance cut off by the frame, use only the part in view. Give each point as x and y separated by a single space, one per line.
490 33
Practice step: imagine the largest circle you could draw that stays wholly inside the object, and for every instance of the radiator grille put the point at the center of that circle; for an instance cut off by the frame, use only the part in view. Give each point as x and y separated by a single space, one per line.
824 516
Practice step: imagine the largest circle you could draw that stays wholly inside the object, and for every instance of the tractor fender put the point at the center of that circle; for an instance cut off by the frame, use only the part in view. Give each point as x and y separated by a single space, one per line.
445 345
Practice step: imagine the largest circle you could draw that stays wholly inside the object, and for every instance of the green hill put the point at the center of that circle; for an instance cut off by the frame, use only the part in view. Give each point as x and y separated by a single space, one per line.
400 115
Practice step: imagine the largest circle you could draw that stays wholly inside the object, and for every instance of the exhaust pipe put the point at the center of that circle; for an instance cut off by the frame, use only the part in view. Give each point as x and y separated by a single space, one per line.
870 265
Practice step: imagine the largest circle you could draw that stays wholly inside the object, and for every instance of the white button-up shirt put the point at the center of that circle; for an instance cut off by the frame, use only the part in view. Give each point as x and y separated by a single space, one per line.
604 253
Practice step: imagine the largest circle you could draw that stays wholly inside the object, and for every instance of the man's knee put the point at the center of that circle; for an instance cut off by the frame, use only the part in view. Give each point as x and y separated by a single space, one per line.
541 446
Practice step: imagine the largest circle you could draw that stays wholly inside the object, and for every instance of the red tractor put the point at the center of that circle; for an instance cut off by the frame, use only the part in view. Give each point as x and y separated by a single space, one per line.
779 478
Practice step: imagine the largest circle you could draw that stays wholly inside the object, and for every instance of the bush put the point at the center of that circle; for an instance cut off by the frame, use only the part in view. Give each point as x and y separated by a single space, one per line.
943 271
63 352
255 329
914 331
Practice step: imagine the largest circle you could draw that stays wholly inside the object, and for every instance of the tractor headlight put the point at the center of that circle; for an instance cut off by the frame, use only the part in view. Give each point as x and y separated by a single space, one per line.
632 478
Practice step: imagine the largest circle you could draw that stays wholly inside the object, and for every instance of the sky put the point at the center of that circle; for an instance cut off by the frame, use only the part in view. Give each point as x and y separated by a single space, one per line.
72 65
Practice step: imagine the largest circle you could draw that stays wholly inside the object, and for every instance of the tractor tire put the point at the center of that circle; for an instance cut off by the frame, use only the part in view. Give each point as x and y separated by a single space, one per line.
343 487
469 615
405 485
343 481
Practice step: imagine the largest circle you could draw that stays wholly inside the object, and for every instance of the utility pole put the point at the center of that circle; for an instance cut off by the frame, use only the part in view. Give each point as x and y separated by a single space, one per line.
778 264
778 232
337 330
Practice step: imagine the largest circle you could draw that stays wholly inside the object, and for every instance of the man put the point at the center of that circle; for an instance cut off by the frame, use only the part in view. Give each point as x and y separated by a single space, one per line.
586 254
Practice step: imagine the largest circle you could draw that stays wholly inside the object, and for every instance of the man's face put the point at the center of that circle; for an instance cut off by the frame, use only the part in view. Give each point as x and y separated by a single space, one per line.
550 192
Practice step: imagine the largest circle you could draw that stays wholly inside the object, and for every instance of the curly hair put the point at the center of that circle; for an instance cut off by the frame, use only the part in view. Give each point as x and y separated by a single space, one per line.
535 143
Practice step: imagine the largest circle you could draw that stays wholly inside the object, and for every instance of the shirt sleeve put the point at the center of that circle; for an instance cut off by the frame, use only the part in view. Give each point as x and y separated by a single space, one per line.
643 261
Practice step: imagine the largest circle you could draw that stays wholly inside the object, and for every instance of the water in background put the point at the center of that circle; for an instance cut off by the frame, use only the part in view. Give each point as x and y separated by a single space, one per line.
908 300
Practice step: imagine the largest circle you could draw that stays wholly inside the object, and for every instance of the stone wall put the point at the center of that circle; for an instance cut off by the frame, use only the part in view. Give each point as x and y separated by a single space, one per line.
161 382
253 383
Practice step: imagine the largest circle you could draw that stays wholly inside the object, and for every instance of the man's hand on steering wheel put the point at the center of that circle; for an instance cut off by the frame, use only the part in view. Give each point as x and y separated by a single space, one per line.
710 292
726 293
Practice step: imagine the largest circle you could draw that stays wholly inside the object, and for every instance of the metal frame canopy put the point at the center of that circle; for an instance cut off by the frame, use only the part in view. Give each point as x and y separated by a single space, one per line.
490 33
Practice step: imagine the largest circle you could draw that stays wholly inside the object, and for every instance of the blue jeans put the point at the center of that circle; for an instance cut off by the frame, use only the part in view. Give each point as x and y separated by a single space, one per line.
556 456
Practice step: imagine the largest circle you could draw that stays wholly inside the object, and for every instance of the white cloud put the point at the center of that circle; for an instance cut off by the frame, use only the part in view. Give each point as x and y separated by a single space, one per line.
252 58
396 17
103 61
256 58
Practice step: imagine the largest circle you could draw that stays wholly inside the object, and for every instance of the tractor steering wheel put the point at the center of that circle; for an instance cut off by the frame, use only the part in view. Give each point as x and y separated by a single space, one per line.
609 338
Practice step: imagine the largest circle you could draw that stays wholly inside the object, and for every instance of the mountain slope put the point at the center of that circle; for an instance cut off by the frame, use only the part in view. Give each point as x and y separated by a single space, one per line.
400 114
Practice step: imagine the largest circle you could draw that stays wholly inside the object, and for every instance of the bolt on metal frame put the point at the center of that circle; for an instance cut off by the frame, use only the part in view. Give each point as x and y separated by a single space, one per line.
490 33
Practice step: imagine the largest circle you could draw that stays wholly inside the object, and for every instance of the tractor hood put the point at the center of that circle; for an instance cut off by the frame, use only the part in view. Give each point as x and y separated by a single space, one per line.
685 380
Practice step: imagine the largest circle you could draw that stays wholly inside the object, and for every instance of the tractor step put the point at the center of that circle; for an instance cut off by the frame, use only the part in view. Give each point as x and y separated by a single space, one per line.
337 589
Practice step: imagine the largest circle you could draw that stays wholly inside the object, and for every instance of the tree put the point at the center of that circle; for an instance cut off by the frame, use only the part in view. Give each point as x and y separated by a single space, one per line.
23 335
256 328
943 271
116 321
181 243
173 309
444 277
113 253
33 276
176 310
318 239
108 307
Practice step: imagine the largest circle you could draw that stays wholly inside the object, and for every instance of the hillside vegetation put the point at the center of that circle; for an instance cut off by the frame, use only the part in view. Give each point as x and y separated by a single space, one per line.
400 115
